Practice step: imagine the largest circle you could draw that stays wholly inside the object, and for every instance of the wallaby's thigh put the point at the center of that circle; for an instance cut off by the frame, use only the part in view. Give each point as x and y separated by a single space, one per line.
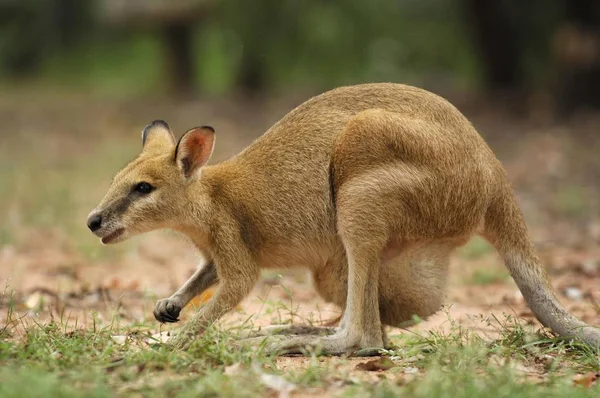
416 179
391 196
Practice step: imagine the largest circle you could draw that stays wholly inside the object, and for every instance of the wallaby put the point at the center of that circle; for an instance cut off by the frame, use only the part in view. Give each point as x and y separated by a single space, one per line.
369 186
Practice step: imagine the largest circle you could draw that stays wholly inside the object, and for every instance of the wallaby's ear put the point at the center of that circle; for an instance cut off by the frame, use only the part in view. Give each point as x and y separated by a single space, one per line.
194 149
157 136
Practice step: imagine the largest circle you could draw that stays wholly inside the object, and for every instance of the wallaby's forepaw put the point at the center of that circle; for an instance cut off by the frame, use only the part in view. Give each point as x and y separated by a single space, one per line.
167 310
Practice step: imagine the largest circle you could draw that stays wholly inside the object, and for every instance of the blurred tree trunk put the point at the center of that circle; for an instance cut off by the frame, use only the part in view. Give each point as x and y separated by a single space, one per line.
178 41
72 20
251 78
33 30
253 23
175 22
496 40
25 32
577 47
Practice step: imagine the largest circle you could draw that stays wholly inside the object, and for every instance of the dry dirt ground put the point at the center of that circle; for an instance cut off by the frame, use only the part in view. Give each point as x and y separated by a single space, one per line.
57 158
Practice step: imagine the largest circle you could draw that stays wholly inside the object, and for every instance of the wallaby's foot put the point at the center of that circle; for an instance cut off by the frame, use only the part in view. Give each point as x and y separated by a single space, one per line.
276 334
339 343
287 330
167 310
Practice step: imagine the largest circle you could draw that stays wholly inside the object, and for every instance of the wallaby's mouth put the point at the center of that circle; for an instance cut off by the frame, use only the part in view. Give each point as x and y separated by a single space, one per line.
110 238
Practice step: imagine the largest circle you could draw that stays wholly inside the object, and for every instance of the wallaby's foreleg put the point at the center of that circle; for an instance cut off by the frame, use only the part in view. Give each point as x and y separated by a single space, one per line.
235 283
168 309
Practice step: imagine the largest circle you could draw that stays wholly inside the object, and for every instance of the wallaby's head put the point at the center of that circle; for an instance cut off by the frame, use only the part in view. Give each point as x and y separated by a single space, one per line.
150 192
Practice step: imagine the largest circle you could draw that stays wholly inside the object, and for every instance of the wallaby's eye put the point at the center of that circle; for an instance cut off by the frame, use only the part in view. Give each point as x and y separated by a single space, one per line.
143 188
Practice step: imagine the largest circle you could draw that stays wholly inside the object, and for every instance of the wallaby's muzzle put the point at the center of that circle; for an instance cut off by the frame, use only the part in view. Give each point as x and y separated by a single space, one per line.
105 228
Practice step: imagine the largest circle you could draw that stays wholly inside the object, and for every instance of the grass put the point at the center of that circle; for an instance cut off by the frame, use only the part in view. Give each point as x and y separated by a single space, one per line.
63 361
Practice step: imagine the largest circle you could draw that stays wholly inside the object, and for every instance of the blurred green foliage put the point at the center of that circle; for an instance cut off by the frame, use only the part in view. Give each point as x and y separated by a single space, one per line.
291 43
218 46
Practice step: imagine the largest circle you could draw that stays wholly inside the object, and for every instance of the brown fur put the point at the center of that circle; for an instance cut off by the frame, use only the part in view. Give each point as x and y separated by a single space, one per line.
371 187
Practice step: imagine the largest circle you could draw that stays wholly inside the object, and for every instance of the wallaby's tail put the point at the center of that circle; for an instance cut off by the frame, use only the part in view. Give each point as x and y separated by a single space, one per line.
506 230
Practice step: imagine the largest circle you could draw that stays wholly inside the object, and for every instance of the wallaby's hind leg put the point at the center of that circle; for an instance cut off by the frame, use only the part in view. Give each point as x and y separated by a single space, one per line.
364 230
360 326
277 335
385 191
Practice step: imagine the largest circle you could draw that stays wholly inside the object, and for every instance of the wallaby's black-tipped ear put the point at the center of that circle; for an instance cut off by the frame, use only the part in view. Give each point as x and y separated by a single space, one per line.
157 136
194 149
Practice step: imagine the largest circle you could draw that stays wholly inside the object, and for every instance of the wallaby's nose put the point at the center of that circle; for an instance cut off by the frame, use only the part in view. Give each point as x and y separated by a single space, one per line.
94 222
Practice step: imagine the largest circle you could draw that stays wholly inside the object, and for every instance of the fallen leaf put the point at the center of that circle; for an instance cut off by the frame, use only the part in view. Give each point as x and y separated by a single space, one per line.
586 380
119 339
114 283
376 364
274 382
155 338
573 293
234 369
37 300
